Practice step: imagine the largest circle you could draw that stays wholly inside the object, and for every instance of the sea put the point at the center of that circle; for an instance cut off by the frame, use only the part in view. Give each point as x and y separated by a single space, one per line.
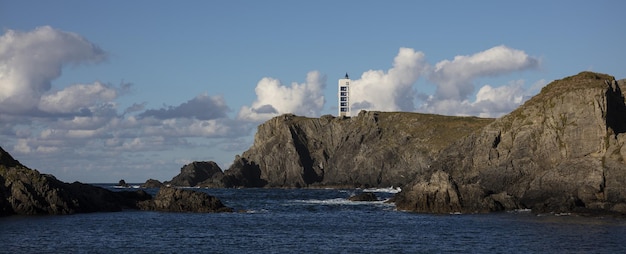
310 221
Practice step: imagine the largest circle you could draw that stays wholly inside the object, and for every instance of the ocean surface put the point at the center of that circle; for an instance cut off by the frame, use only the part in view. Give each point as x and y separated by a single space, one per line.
309 221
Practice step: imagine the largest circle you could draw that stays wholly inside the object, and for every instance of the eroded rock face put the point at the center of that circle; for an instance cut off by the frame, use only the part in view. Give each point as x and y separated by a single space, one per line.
194 173
180 200
373 149
562 151
27 192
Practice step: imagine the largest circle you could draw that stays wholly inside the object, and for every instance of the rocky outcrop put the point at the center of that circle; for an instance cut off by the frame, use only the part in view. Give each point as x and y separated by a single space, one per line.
179 200
152 183
194 173
562 151
122 183
364 196
373 149
25 191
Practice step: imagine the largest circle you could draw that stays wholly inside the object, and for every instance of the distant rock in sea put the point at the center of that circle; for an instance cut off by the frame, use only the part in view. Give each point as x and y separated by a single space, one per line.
152 183
123 184
170 199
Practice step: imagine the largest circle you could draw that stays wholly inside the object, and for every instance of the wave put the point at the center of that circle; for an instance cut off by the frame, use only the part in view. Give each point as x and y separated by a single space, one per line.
126 187
384 190
338 201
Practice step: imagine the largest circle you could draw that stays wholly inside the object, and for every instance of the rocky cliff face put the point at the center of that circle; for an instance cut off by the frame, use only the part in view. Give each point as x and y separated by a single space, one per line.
27 192
562 151
195 173
373 149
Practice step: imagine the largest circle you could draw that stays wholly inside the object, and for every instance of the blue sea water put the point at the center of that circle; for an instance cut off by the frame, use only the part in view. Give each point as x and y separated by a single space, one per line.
309 221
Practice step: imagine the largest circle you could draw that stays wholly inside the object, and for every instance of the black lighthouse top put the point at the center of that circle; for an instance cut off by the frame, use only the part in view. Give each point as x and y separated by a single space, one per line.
347 76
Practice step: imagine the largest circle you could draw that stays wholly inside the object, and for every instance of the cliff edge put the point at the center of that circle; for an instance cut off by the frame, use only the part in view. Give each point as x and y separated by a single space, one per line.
562 151
373 149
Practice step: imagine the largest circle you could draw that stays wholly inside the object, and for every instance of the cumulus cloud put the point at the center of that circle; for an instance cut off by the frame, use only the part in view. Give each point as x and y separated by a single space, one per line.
490 101
455 81
273 98
202 107
393 90
76 97
29 61
455 78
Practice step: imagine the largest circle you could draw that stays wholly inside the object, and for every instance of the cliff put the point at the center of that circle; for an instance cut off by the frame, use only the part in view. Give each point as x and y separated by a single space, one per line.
373 149
562 151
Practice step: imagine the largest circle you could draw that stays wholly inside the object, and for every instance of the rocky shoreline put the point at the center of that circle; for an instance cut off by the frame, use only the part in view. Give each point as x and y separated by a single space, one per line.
25 191
563 151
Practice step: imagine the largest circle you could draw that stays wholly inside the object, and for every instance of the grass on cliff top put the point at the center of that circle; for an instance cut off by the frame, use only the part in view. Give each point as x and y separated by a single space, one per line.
583 80
435 131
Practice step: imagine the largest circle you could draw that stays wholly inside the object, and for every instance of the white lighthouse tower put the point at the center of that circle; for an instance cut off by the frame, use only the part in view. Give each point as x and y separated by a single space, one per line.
344 96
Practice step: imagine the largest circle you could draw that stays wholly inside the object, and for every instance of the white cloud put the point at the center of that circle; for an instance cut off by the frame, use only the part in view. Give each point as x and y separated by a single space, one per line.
455 78
391 91
455 82
274 99
77 97
490 101
29 61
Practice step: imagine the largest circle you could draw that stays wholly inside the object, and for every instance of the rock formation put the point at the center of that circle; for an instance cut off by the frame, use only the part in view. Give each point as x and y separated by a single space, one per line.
373 149
178 200
25 191
152 183
562 151
195 173
364 196
122 183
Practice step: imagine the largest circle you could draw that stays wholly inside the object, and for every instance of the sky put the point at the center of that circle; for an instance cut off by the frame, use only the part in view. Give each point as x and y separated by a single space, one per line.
98 91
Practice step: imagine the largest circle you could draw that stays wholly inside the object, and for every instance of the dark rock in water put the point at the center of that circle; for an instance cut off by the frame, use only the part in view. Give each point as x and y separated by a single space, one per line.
152 183
170 199
563 151
123 183
196 172
364 196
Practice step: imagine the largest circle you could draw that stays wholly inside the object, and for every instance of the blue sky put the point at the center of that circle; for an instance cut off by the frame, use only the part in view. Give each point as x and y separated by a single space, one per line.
108 90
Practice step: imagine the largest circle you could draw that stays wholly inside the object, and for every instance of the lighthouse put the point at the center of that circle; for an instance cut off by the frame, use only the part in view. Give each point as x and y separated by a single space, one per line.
344 96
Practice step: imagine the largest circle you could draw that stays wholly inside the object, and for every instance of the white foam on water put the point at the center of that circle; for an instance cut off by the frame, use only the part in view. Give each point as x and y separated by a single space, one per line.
340 201
385 190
